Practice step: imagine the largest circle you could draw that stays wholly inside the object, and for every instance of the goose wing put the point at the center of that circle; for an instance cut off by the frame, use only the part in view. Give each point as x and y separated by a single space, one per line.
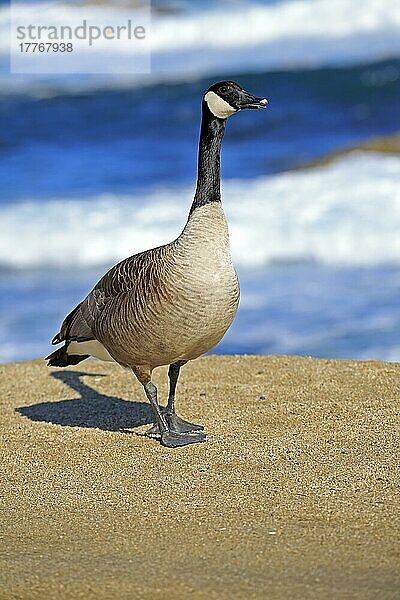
79 325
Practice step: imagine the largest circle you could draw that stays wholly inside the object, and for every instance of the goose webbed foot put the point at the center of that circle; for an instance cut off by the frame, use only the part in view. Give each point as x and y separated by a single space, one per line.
175 425
178 425
171 439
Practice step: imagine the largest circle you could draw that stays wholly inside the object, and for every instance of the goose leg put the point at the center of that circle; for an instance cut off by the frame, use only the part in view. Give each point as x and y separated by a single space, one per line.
175 423
151 393
169 437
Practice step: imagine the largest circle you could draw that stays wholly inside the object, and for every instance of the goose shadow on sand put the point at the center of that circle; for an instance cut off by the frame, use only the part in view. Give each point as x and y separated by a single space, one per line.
92 409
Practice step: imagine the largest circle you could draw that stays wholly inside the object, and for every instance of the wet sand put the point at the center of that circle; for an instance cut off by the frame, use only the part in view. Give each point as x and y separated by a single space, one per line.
295 495
389 144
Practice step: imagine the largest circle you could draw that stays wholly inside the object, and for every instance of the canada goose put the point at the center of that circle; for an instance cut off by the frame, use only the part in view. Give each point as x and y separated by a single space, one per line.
171 304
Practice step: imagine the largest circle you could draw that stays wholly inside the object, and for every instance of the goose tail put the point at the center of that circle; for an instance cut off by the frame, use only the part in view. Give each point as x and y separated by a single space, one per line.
60 358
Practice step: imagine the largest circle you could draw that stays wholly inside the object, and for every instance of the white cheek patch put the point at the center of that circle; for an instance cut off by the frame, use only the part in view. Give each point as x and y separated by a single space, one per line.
219 107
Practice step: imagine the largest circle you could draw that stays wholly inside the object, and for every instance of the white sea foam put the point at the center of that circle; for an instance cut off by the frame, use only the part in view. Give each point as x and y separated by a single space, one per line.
288 34
344 213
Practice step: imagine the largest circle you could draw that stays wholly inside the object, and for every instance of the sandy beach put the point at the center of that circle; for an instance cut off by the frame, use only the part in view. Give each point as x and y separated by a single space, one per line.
389 144
295 495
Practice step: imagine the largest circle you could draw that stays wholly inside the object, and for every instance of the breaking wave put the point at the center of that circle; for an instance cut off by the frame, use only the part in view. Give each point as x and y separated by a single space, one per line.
344 213
256 37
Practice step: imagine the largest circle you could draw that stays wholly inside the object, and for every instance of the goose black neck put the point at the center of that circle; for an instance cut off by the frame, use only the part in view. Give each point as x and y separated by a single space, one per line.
208 175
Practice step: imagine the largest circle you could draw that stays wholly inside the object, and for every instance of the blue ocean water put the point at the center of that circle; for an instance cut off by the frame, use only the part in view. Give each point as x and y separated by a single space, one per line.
94 169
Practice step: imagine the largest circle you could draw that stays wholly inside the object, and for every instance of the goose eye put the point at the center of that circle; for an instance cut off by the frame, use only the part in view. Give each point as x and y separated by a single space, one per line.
223 89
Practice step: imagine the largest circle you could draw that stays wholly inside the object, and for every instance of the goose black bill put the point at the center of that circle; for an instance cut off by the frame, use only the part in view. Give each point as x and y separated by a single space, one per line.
250 101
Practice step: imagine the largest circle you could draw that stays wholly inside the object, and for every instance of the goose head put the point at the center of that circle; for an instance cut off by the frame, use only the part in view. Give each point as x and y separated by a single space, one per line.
225 98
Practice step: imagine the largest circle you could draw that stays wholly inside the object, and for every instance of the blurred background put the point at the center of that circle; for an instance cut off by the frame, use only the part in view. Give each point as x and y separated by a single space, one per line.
93 169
